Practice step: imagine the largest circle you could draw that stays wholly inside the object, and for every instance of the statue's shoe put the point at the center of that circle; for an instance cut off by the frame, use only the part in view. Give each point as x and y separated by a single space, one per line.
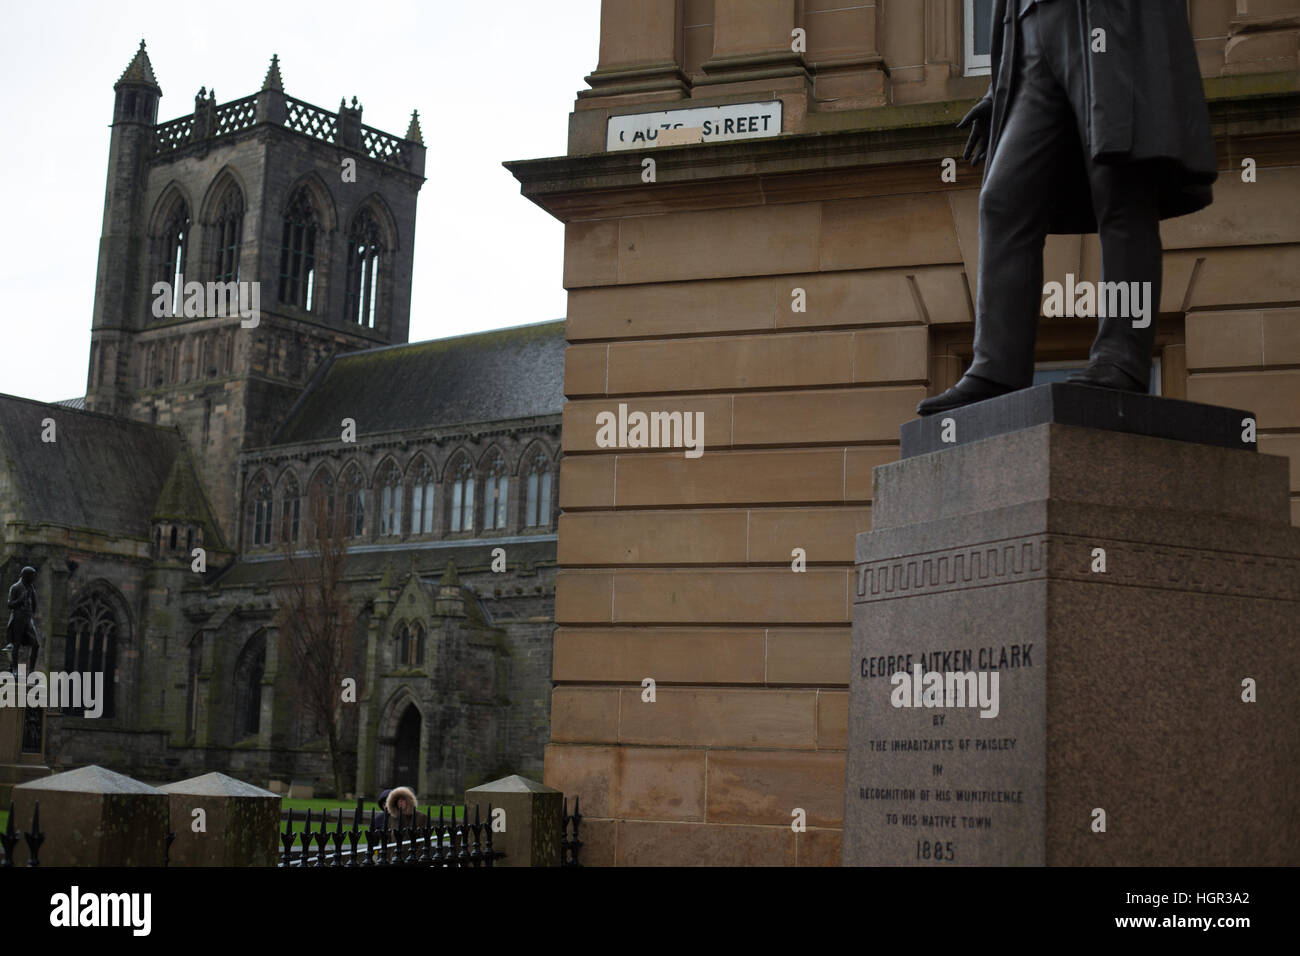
1107 376
969 390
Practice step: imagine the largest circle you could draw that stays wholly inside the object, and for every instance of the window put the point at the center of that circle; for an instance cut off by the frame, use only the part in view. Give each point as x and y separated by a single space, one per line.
390 501
92 644
172 246
290 507
1058 372
462 499
228 228
261 514
363 269
422 500
537 512
322 505
495 495
249 670
410 644
354 505
298 252
978 29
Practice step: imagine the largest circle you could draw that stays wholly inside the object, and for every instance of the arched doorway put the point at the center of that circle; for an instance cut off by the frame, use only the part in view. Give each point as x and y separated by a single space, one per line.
406 749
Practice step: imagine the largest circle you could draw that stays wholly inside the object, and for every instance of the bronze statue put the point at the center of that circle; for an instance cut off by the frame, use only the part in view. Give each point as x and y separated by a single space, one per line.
1095 121
22 618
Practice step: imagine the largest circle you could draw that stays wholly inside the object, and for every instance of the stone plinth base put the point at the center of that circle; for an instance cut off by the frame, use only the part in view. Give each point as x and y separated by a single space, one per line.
19 764
241 822
532 819
95 817
1124 591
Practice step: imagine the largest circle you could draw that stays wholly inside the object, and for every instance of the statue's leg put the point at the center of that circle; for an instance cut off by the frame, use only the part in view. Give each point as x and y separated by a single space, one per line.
1128 219
1020 189
1128 222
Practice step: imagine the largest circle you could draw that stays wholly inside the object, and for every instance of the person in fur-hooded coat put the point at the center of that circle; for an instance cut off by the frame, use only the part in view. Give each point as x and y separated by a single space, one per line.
400 809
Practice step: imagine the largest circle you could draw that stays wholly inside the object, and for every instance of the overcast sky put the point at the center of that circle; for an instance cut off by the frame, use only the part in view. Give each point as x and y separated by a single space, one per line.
492 81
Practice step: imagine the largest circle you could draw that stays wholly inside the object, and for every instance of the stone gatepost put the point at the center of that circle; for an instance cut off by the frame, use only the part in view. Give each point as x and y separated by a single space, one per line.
95 817
239 825
533 813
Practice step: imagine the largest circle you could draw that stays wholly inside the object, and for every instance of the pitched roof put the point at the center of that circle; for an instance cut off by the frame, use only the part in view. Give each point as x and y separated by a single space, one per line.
101 472
72 402
485 377
139 71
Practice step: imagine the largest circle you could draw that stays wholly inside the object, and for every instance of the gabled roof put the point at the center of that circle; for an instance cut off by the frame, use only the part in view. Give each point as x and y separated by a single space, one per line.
486 377
101 472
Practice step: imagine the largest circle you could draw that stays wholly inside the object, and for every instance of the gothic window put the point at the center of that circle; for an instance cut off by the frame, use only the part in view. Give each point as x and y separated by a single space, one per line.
228 229
189 540
321 503
172 246
172 545
410 644
261 514
390 501
422 500
364 251
354 505
537 512
290 511
249 670
92 643
495 494
298 251
192 687
417 643
462 498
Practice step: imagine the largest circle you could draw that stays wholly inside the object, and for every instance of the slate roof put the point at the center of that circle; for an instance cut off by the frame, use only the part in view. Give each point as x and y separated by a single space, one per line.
78 403
429 562
102 472
485 377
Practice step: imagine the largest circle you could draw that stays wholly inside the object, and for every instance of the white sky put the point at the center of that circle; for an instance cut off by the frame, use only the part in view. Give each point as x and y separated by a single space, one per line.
492 81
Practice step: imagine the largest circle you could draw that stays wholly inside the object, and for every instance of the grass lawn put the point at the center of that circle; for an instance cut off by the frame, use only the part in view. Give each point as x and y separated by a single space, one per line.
299 808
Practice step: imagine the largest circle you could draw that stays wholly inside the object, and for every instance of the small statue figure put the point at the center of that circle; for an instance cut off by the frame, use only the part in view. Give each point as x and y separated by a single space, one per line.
22 618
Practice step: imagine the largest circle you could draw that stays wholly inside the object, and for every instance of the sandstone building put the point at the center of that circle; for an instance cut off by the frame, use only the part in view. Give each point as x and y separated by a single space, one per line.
684 294
202 430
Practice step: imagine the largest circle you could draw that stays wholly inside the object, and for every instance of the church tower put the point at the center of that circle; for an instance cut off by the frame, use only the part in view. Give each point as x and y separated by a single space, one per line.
242 245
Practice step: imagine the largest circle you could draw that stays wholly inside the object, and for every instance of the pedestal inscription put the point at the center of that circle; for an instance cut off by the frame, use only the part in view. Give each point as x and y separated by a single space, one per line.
948 718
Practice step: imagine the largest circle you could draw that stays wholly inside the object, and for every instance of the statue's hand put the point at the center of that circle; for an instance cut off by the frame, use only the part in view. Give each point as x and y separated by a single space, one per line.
978 119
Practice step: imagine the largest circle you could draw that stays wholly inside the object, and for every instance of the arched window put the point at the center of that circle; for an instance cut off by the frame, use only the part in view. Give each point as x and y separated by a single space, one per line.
462 498
364 251
422 500
261 514
172 545
495 494
227 230
249 670
298 251
417 643
390 501
409 650
537 511
354 505
172 246
92 643
290 511
321 503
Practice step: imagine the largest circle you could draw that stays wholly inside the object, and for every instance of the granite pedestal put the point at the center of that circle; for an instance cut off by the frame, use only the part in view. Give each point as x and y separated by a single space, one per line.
22 743
1122 590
